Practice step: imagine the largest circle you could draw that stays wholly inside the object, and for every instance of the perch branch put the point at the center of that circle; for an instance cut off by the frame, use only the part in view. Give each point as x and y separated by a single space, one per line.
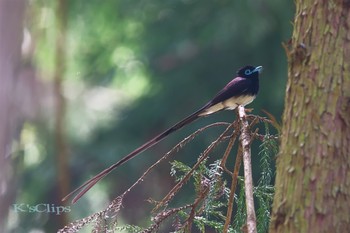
248 179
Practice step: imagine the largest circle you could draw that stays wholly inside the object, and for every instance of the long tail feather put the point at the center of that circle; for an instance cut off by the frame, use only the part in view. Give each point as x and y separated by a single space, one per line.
91 182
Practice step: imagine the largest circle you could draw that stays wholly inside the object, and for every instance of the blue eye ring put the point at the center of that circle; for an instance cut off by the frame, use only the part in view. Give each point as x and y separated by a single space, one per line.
247 72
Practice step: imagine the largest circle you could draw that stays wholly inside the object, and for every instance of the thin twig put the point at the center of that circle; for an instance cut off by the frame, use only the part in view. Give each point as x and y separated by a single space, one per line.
202 158
228 150
234 176
202 195
173 150
115 205
157 220
248 178
262 137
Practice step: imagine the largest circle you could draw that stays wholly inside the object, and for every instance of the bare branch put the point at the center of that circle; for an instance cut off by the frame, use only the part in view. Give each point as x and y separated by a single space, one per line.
234 176
229 147
248 178
202 158
114 207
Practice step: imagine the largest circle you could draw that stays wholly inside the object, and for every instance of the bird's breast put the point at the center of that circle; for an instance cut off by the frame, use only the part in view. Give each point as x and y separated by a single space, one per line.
233 102
229 104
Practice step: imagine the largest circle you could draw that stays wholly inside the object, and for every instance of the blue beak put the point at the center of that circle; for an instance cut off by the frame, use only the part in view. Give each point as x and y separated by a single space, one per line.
258 69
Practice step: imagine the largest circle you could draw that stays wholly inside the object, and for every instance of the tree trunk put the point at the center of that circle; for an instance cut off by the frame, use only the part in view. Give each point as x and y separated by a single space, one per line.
61 146
313 167
11 30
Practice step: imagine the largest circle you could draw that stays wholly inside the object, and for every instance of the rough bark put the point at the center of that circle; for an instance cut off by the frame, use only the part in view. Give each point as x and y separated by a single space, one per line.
313 167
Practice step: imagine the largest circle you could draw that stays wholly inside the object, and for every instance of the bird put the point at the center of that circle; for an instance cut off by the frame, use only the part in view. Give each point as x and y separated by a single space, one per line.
241 90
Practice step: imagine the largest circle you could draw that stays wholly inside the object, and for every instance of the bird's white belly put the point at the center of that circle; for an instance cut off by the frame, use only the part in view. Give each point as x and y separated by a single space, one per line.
233 102
229 104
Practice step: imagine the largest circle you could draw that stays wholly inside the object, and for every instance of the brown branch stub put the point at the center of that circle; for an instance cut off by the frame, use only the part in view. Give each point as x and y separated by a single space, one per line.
248 178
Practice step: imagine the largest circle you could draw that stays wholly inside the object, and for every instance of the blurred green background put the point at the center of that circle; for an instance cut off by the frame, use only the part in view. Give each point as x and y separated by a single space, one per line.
133 69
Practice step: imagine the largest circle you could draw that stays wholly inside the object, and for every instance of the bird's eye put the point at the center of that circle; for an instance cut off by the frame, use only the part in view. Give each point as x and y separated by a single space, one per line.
247 72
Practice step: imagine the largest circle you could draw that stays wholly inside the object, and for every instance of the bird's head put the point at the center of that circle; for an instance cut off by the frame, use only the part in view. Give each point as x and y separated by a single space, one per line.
250 71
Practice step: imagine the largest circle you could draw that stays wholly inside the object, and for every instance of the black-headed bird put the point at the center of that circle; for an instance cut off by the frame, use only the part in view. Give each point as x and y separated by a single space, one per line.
242 90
